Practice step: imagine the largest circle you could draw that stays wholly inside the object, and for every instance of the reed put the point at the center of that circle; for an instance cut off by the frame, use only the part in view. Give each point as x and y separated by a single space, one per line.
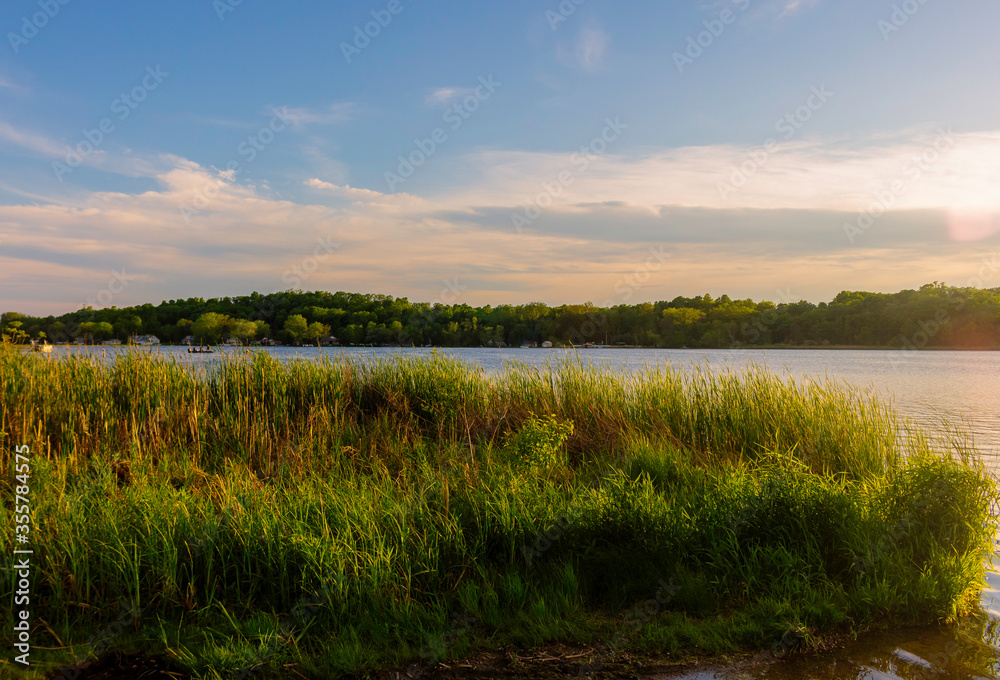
338 514
257 409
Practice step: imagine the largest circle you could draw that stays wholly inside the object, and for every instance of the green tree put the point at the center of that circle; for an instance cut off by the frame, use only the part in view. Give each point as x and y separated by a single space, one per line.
244 331
296 327
13 332
316 331
128 325
210 327
263 329
103 330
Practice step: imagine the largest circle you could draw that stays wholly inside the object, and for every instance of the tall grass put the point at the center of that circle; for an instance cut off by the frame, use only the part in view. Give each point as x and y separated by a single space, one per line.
259 410
383 497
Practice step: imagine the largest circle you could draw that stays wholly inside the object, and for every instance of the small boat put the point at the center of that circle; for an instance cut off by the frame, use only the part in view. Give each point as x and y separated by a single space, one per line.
200 350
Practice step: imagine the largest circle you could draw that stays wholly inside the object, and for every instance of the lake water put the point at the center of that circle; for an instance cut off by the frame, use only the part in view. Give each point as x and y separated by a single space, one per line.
961 388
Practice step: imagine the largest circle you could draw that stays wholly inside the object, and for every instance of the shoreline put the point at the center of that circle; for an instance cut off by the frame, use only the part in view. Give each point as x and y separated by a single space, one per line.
832 348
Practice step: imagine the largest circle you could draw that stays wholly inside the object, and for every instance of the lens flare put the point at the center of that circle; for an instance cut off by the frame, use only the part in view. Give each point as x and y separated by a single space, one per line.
967 225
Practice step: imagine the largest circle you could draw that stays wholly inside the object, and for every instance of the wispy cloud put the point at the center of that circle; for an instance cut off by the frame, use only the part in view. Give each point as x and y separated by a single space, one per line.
587 51
443 96
818 174
30 140
784 225
319 152
400 204
346 190
331 115
793 6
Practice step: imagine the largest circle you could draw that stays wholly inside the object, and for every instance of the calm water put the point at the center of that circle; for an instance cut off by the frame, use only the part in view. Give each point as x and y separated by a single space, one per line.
962 388
969 650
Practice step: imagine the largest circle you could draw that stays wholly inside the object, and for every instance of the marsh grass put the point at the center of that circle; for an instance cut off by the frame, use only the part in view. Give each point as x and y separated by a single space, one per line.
338 514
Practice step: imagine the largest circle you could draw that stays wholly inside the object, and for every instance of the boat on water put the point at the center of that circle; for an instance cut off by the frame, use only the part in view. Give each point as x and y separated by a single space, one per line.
200 350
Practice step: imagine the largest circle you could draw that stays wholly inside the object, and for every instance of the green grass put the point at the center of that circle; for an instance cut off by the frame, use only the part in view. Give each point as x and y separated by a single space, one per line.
353 516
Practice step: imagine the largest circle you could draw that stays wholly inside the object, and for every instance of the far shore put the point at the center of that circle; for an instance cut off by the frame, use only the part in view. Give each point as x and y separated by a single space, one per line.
866 348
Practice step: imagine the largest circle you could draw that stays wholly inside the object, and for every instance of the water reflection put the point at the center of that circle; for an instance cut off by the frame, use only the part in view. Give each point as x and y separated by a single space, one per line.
964 652
969 650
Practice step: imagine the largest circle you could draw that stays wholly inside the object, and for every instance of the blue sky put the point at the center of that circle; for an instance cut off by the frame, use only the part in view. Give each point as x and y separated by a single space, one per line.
513 151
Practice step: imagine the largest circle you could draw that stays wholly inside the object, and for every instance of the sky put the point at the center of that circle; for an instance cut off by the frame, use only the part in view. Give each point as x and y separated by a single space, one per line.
495 152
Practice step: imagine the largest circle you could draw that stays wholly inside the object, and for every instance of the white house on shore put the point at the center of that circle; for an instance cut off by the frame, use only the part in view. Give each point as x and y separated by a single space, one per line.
146 340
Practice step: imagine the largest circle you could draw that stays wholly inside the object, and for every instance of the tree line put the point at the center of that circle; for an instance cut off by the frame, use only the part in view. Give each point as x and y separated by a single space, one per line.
935 316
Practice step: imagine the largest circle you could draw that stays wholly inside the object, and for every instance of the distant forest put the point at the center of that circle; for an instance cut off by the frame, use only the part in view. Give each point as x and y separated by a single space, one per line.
936 316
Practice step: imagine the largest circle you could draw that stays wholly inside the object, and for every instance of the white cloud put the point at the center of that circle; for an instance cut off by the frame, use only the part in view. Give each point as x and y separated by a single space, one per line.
30 140
347 191
806 175
600 226
333 114
763 7
126 163
792 6
587 51
317 152
443 96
